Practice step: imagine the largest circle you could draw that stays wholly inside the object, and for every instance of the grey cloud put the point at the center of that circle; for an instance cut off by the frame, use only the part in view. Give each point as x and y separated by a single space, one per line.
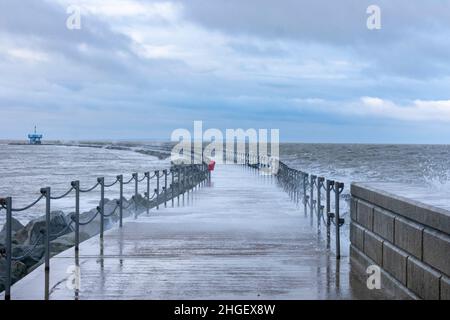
332 21
413 41
338 22
42 24
257 50
47 21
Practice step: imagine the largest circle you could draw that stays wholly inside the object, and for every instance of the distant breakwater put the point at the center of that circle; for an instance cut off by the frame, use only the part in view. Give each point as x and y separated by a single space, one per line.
161 152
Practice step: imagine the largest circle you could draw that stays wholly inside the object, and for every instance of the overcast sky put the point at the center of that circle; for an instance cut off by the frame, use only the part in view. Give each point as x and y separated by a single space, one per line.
140 69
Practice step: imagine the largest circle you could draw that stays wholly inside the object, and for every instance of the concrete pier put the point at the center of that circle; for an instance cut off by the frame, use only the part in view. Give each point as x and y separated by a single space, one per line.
239 238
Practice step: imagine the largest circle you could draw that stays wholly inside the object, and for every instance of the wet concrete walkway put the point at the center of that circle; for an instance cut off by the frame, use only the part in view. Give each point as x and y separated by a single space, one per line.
239 238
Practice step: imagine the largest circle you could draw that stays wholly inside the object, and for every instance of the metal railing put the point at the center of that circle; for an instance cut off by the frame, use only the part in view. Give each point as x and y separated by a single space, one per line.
319 196
183 179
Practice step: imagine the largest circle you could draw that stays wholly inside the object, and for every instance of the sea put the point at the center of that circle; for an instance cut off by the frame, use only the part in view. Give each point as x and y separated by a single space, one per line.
24 169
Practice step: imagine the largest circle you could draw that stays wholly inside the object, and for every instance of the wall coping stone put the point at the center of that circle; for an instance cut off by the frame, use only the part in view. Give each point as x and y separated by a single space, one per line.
426 214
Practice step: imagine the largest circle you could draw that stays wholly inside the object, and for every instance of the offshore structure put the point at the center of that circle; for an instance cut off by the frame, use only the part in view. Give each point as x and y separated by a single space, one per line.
34 138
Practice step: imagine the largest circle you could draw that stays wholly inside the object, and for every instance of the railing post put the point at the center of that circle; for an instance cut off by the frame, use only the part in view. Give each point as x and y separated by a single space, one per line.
157 189
258 161
7 202
197 178
120 178
76 186
296 185
329 186
102 205
337 189
172 189
178 185
194 178
320 181
305 196
183 179
188 180
291 183
136 192
46 193
311 195
165 188
202 153
201 174
147 175
294 182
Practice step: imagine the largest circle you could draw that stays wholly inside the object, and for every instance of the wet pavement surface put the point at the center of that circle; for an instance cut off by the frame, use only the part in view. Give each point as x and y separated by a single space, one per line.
238 238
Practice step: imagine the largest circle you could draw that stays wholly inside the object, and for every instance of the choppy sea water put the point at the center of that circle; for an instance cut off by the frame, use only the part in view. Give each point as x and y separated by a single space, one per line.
25 169
420 165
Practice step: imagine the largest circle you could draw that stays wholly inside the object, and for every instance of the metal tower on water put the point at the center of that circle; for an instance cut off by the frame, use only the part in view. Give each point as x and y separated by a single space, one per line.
35 138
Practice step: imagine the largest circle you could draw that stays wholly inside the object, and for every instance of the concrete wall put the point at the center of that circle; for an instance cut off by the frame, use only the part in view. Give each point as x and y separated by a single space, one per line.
409 240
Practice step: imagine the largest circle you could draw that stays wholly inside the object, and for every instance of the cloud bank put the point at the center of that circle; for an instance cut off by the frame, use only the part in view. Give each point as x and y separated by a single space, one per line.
140 69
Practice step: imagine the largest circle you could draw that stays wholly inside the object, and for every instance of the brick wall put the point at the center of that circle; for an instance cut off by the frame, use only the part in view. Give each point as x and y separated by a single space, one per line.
409 240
